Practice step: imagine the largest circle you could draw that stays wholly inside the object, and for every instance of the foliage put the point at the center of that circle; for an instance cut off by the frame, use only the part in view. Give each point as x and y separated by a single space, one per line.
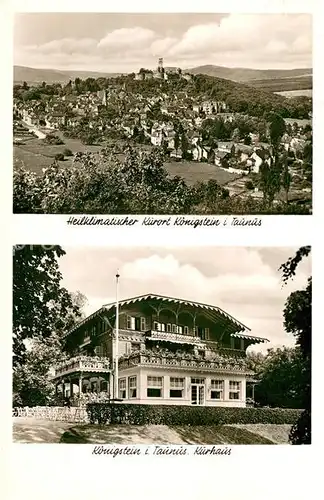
41 305
139 414
59 157
298 321
32 383
67 152
53 139
249 185
139 183
289 268
298 318
281 379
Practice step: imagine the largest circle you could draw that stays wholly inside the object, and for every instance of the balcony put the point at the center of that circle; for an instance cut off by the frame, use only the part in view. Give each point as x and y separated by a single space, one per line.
83 364
178 338
183 362
232 353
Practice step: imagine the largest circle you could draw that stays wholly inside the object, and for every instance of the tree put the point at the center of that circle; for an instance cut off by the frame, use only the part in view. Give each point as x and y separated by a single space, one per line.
281 379
286 177
32 383
297 320
276 129
41 305
270 180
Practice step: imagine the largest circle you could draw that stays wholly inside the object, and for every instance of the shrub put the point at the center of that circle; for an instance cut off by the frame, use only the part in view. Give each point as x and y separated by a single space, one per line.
59 157
53 139
67 152
249 185
139 414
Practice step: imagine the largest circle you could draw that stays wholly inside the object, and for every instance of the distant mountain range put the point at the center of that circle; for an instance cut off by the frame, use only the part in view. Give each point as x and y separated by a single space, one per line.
245 75
38 75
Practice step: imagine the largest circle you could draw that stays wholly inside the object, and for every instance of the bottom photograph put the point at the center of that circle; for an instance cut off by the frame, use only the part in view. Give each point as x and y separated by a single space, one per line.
161 345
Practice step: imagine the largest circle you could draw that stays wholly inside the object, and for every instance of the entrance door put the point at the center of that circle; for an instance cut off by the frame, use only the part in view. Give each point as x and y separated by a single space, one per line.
198 394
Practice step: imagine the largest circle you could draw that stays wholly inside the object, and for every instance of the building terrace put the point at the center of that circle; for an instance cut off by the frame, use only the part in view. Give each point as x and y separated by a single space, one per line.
156 343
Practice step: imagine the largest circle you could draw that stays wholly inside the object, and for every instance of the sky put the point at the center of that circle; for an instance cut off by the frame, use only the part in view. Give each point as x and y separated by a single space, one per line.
126 42
243 281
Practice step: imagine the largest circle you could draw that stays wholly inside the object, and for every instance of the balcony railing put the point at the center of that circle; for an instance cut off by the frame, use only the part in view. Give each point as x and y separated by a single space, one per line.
184 361
83 364
178 338
232 353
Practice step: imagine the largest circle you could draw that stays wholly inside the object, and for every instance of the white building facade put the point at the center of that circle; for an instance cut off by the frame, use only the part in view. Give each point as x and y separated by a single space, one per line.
165 351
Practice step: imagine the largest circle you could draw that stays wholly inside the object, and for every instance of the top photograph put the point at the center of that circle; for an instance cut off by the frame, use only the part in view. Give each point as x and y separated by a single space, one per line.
200 114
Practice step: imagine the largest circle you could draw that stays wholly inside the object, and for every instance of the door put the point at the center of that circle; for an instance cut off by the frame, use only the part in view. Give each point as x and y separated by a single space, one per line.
198 394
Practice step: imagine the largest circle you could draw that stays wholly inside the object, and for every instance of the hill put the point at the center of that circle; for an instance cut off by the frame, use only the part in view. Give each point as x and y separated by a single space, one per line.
248 74
38 75
283 84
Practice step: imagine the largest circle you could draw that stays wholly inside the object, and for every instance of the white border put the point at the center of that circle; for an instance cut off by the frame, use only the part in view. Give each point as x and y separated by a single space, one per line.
49 471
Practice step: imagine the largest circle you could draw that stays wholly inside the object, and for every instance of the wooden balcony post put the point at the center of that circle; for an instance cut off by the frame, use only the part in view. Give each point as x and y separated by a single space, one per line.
63 391
80 385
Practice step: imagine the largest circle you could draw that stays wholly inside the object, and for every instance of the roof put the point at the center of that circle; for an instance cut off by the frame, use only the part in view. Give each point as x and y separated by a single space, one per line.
236 328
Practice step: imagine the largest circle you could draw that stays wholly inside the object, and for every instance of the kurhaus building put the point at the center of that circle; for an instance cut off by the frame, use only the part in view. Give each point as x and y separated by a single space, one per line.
169 351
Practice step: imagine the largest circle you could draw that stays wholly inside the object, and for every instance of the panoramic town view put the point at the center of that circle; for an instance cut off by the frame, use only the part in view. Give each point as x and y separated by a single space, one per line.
136 356
163 113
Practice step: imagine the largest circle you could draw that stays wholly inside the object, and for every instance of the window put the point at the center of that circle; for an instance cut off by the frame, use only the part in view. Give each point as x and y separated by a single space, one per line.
179 329
169 327
132 382
174 328
122 388
186 330
130 323
104 386
176 387
197 380
234 390
217 389
195 331
143 324
206 333
99 350
237 343
154 387
135 346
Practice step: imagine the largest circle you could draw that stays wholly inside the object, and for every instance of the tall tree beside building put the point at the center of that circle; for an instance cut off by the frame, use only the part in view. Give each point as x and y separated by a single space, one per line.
298 321
41 305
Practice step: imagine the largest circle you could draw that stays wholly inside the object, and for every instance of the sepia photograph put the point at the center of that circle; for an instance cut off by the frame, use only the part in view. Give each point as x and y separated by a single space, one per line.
188 113
161 345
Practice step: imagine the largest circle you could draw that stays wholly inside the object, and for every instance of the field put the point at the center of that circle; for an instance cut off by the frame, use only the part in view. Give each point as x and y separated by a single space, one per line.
35 155
283 84
296 93
194 172
29 430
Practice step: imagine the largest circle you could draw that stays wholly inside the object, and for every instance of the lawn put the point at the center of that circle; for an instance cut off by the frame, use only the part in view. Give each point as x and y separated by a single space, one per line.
160 434
36 155
199 172
30 430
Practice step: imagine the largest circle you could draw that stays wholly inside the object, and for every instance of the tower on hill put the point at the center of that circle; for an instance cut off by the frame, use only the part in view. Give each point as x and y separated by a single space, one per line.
160 65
